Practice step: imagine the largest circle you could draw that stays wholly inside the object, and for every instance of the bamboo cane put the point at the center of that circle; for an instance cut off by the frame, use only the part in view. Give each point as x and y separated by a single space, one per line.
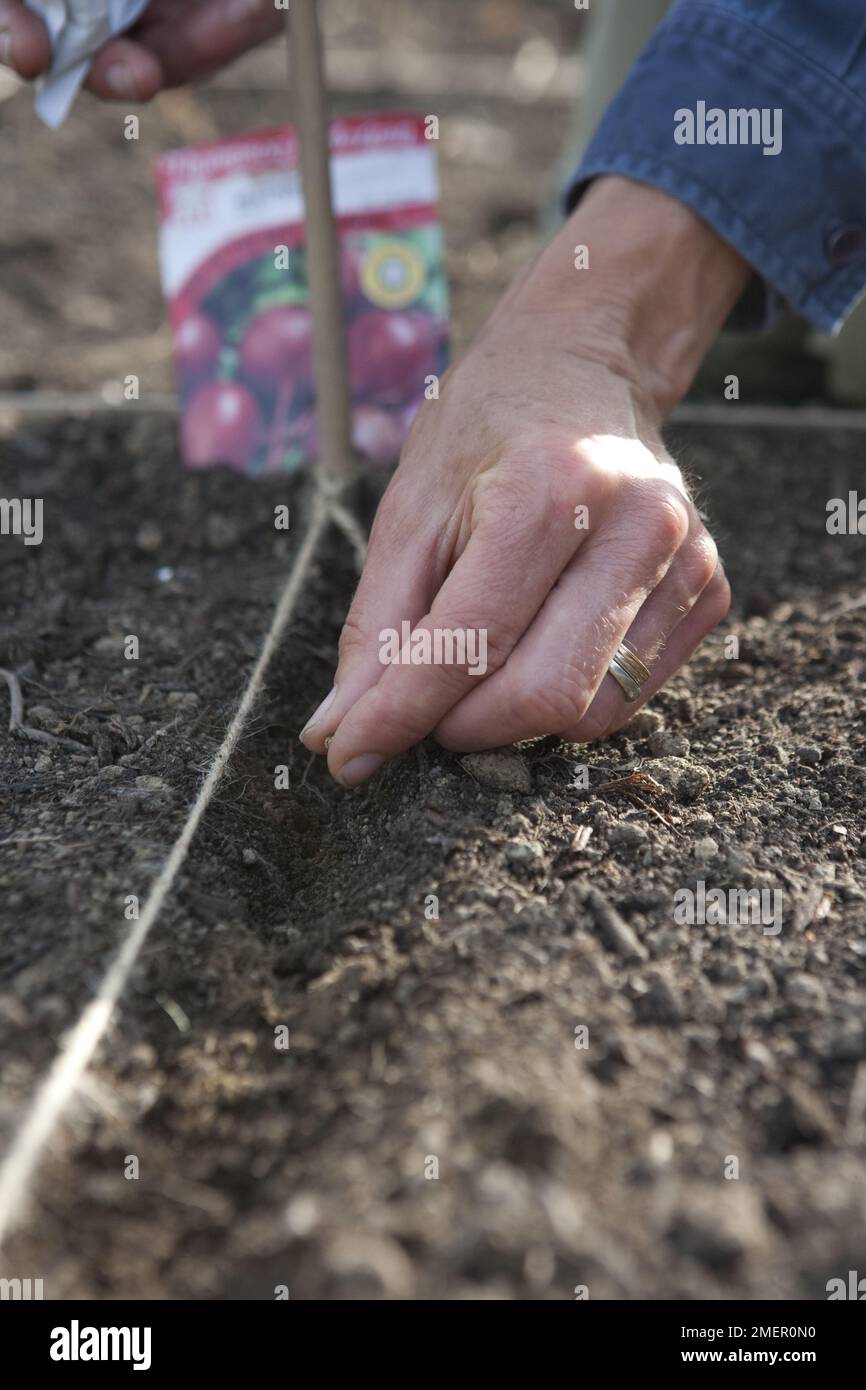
322 245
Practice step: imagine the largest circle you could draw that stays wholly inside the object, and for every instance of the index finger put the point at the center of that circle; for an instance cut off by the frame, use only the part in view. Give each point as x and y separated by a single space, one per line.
475 621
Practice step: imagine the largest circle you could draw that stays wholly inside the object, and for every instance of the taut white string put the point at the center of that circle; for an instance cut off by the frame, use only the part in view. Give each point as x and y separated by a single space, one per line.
59 1085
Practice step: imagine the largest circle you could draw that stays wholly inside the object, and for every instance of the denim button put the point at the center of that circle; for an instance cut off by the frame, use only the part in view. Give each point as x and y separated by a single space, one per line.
845 243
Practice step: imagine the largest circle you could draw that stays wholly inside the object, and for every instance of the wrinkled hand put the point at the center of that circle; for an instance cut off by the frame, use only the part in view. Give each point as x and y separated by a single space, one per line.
175 41
535 503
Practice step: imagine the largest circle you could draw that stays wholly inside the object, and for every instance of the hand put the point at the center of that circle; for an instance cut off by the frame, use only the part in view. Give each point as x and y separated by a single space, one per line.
174 42
556 407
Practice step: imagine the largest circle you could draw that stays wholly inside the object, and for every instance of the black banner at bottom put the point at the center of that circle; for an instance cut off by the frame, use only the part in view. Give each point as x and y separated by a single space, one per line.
244 1337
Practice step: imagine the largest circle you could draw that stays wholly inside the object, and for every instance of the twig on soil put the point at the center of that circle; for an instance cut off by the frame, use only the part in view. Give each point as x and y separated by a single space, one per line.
645 806
304 783
628 785
614 931
19 729
582 837
631 783
175 1012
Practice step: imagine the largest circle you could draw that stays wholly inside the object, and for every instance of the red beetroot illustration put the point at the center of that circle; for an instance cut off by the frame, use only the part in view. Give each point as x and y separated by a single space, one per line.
377 434
221 424
351 265
391 353
277 347
276 356
197 346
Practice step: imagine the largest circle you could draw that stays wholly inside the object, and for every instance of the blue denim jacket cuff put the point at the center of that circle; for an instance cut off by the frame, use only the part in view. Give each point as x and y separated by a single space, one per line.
798 215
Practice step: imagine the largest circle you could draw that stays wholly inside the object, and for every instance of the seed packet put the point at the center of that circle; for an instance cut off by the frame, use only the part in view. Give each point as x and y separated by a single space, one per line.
233 266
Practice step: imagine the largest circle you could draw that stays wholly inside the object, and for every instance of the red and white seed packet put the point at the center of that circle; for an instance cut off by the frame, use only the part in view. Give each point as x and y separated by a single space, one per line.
233 272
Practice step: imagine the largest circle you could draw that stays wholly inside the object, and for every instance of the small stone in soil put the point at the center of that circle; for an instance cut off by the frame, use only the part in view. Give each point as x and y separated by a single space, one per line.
184 698
805 991
644 724
148 537
666 744
687 780
660 1004
111 773
504 770
146 783
521 854
705 849
627 834
809 754
718 1226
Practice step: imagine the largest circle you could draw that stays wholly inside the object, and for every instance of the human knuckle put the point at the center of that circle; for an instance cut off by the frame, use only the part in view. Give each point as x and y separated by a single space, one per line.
548 709
510 487
580 477
496 640
671 472
701 562
497 651
666 514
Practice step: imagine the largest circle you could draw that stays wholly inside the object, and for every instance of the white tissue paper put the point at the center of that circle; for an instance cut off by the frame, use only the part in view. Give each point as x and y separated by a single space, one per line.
77 28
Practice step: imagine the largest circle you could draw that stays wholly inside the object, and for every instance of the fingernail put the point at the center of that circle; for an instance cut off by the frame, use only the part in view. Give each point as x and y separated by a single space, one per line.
5 48
359 769
323 708
121 79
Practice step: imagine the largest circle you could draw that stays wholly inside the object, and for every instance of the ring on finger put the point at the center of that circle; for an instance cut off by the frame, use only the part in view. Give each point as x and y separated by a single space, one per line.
629 671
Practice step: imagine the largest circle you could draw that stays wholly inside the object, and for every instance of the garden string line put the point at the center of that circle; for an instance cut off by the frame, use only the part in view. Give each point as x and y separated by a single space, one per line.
75 1055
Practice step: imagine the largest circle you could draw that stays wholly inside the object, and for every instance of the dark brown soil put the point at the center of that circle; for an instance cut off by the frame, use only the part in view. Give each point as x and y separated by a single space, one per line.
415 1039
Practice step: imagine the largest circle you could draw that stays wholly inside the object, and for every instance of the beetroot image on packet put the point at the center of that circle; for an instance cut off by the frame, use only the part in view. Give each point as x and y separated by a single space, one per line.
233 270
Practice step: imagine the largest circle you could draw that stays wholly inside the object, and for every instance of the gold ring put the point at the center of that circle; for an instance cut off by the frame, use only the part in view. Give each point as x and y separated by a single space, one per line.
628 671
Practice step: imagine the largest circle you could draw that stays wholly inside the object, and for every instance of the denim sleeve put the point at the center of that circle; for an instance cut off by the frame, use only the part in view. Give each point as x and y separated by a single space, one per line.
753 112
